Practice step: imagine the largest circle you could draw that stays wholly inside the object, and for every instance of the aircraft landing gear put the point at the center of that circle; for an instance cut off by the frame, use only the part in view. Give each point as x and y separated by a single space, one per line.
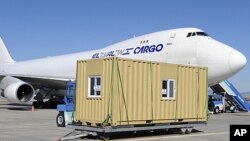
50 104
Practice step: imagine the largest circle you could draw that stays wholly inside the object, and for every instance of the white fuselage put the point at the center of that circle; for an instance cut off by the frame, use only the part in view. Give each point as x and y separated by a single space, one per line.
170 46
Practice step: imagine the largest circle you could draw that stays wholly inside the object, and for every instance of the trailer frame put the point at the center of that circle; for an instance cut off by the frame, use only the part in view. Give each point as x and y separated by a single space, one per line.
104 132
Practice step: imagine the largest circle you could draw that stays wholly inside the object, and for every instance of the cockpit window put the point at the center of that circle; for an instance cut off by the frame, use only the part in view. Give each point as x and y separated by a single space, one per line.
196 34
189 34
201 34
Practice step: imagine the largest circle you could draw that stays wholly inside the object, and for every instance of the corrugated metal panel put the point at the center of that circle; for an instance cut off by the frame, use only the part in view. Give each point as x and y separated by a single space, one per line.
131 92
192 93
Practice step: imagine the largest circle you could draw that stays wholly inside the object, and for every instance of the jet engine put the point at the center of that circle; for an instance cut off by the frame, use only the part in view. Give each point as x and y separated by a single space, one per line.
16 90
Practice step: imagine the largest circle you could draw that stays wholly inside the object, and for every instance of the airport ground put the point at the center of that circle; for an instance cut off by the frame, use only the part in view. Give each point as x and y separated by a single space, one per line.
19 123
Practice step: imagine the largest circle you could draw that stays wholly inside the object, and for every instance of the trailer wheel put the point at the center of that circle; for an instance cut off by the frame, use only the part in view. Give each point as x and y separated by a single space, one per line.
60 121
104 136
188 130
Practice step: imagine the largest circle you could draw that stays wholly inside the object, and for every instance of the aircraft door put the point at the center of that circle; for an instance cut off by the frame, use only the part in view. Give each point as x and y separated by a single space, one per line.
171 39
169 52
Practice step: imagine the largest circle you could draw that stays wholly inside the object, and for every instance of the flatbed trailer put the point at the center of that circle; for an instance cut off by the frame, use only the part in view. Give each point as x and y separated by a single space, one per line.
104 132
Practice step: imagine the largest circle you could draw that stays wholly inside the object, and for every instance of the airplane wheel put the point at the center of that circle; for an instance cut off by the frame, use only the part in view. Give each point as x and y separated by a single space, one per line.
38 105
35 104
60 121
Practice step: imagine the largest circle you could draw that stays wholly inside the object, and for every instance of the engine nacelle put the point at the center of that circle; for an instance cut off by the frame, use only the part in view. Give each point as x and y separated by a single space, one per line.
16 91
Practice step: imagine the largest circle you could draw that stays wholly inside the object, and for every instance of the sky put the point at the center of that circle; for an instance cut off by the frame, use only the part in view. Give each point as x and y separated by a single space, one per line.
40 28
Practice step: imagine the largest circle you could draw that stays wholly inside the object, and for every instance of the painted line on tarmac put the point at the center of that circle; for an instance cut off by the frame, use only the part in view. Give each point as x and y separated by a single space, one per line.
181 136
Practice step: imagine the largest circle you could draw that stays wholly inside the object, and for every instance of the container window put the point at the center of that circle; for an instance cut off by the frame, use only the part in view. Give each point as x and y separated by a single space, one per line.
94 86
168 89
164 88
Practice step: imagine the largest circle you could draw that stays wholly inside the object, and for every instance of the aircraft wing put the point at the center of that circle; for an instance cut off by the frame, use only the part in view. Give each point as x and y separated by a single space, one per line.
41 81
22 89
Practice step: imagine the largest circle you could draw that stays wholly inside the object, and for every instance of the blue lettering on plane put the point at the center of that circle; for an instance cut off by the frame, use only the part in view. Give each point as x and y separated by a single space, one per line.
127 51
148 49
137 50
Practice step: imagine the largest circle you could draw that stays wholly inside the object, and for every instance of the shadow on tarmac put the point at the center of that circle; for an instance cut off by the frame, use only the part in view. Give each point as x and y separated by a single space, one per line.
141 134
16 107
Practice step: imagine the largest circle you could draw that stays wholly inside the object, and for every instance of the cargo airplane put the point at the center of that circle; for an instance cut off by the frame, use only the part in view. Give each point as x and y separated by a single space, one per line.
20 82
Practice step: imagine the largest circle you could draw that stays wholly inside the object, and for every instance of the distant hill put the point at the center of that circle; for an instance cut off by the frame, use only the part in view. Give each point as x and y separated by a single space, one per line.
246 95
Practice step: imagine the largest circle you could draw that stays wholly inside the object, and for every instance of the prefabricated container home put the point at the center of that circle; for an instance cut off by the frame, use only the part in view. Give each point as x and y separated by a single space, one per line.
117 91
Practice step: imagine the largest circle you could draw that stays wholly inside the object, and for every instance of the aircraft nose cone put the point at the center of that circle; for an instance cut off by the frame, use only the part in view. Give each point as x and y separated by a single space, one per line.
237 61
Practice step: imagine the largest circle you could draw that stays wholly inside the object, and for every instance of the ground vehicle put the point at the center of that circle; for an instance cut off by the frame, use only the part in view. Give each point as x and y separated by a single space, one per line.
216 103
66 111
219 102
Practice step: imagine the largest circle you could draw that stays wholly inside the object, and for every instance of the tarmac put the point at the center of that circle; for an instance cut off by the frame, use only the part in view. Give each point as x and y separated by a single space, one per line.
20 122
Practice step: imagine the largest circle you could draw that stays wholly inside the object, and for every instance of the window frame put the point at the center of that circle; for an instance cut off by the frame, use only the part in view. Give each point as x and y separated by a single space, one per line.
94 95
168 89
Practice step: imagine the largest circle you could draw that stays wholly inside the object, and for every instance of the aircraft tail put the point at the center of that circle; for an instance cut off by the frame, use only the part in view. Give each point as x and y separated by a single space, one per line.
4 54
